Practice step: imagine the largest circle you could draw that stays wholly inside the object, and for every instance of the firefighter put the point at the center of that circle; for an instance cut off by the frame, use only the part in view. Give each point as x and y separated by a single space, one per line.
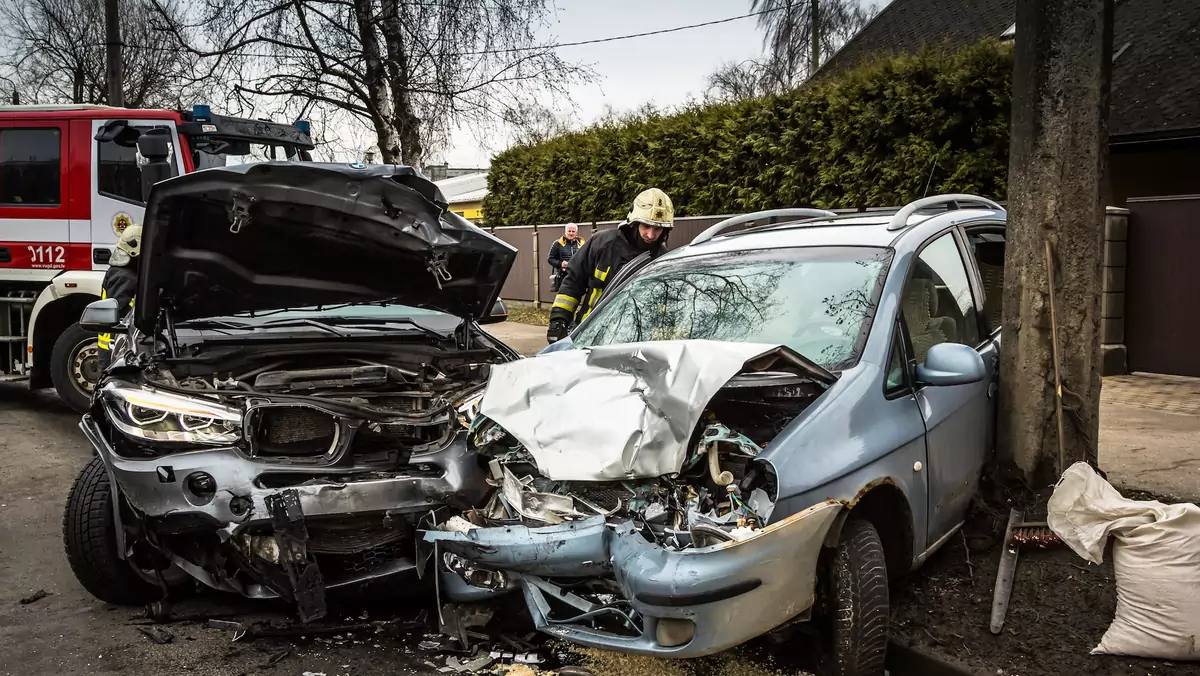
644 229
120 282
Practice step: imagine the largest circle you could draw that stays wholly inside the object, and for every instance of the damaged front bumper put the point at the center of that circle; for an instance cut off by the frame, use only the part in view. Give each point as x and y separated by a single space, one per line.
245 496
676 603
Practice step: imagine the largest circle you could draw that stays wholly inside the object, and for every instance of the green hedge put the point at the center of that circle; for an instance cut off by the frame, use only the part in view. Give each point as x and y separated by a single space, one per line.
867 138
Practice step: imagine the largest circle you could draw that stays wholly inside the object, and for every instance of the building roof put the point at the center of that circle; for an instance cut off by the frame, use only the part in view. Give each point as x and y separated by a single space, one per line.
1156 46
465 188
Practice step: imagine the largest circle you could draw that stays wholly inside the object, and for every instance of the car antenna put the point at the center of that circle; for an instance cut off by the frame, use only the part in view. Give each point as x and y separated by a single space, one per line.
933 168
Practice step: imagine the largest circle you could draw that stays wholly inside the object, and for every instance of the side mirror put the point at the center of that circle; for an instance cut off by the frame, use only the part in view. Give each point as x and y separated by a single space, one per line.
101 316
499 313
951 364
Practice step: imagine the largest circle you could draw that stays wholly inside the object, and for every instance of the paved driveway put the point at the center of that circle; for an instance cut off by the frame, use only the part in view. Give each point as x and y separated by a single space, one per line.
1150 433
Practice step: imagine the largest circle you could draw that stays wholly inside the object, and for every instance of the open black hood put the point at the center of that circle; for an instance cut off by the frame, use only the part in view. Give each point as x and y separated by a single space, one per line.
295 234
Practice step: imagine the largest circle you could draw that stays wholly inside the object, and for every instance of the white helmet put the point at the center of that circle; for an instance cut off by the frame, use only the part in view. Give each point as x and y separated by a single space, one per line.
129 245
652 207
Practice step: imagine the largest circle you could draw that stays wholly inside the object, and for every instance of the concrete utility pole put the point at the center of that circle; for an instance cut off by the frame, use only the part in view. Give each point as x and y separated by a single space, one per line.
112 39
1057 164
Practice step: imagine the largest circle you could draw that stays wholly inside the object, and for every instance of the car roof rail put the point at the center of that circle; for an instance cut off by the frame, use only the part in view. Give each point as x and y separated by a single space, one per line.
724 225
951 202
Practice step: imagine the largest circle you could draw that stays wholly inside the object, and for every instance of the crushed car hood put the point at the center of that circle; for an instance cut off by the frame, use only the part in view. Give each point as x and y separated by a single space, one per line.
616 412
295 234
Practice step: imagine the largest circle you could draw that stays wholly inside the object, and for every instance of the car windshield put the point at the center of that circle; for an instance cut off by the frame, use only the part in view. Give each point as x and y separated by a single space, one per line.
819 301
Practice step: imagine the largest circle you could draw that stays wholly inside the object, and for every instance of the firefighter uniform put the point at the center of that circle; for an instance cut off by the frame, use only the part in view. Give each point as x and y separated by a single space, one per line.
603 256
120 282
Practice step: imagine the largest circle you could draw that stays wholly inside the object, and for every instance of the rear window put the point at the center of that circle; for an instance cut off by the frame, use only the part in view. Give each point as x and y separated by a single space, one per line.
29 167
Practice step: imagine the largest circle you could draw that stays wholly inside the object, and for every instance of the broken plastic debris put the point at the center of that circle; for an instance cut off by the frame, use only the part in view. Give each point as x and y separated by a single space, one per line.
470 665
543 507
157 634
519 658
457 524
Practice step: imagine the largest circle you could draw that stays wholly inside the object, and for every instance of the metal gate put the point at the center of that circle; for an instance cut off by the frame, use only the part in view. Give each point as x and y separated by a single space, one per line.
1162 294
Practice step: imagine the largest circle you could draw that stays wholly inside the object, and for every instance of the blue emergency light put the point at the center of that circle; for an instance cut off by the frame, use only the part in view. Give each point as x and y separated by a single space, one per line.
304 126
201 113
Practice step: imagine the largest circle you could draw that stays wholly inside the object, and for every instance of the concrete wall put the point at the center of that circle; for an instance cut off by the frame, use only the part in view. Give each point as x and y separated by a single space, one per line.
1113 353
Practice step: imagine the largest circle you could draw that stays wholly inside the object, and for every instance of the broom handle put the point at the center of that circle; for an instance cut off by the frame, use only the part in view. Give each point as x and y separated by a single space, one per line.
1062 456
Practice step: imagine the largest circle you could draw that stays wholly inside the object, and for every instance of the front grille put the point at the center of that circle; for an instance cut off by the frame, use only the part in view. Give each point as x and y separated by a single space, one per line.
385 438
352 537
336 567
294 430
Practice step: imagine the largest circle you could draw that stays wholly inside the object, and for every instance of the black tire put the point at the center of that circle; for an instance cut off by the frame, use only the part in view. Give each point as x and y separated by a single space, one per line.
89 536
860 602
63 373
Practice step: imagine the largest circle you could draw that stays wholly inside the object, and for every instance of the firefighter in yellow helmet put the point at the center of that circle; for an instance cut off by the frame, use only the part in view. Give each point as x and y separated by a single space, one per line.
120 281
643 231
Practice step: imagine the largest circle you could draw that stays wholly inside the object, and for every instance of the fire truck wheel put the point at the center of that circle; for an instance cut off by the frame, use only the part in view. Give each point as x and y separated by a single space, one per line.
75 367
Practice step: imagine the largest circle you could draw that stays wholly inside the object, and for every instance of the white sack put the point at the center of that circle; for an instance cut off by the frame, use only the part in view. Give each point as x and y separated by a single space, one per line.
612 412
1156 558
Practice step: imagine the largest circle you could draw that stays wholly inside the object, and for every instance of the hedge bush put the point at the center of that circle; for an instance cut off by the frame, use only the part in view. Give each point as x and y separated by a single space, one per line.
874 136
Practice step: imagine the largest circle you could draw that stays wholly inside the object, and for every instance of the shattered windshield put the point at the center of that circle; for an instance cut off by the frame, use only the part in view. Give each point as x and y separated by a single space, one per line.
819 301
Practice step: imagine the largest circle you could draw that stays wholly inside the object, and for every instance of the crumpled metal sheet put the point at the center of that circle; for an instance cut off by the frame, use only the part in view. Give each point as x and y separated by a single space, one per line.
613 412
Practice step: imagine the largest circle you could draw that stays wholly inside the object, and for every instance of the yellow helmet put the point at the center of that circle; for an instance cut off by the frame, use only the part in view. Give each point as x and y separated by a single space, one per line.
652 207
129 245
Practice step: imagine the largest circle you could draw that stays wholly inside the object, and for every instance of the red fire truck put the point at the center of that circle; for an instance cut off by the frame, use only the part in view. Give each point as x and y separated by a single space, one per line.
68 186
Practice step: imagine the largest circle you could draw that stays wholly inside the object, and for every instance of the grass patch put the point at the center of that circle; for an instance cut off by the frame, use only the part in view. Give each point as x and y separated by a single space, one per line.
528 314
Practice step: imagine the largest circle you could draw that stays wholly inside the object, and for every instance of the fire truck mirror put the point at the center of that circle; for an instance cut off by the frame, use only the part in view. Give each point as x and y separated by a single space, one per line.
101 316
120 133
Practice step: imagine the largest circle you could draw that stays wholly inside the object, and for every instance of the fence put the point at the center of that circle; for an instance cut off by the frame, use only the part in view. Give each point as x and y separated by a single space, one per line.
529 279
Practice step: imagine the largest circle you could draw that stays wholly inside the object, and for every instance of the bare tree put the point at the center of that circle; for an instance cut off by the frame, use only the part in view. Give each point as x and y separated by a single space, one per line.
54 51
412 70
533 123
800 32
747 79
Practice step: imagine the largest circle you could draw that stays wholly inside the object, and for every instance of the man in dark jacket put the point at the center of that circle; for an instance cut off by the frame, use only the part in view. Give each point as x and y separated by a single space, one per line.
120 282
560 254
644 230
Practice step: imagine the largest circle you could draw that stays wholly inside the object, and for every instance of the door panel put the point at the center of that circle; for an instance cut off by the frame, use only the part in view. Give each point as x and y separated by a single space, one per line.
939 307
35 230
116 184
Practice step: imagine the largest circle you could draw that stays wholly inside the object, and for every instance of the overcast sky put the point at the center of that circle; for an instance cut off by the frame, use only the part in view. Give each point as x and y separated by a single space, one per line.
663 69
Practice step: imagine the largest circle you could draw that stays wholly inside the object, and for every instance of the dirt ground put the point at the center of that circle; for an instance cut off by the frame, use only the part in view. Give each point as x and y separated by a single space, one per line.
1059 609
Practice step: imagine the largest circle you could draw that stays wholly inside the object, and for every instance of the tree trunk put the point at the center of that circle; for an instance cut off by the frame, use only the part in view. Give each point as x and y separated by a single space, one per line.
1057 160
405 120
375 82
815 31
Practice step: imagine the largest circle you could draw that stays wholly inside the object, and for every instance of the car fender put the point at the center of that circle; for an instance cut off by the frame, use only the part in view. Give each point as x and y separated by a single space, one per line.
844 445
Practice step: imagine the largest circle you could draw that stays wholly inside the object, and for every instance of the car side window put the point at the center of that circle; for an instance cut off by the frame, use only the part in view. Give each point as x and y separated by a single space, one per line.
897 364
937 302
987 246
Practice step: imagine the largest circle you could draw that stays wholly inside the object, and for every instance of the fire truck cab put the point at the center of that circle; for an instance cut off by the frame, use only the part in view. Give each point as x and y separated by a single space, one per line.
70 182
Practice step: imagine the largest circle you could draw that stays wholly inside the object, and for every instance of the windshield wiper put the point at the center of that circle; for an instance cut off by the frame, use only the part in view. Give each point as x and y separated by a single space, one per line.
306 322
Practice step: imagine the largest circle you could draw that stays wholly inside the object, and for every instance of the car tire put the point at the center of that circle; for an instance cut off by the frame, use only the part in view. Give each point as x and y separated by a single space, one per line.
89 536
71 366
860 602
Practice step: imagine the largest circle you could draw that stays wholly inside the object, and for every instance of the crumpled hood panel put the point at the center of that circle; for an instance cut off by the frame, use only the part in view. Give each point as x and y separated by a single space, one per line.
615 412
294 234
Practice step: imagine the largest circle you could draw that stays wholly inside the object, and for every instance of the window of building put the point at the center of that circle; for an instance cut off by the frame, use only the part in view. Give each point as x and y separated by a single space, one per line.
30 161
119 174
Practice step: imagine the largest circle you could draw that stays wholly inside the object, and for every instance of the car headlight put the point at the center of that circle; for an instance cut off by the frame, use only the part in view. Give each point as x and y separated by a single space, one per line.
154 415
468 407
